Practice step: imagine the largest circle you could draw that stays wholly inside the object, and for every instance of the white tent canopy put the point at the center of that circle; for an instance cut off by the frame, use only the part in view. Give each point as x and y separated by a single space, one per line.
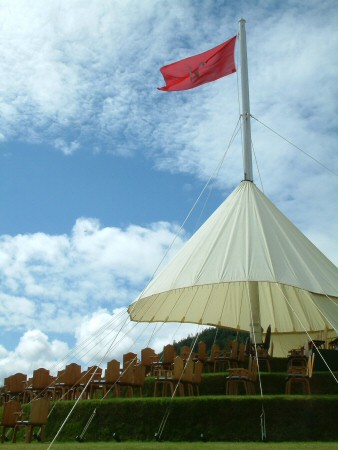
247 243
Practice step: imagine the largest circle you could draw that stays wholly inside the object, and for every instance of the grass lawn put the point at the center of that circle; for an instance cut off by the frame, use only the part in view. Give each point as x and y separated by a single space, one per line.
177 446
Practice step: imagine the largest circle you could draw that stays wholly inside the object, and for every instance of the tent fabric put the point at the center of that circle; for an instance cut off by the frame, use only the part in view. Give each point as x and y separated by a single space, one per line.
246 240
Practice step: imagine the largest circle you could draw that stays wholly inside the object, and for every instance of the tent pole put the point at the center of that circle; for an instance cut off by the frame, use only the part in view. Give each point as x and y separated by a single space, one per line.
255 326
246 126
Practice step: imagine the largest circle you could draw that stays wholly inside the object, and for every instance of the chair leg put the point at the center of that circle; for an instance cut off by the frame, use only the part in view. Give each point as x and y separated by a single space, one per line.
29 433
3 436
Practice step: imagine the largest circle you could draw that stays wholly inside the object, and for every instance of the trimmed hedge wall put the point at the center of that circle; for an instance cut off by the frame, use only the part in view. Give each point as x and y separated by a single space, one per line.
221 418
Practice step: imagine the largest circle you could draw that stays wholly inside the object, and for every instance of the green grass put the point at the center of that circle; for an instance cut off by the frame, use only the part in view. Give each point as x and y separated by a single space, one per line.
133 445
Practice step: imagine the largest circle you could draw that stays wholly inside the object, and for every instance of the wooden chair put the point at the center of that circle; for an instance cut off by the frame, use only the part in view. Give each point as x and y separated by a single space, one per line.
300 374
171 379
185 352
38 418
240 376
187 376
129 358
10 415
138 378
201 352
196 378
148 358
111 377
15 386
41 384
211 362
67 382
90 381
232 358
168 356
263 358
126 380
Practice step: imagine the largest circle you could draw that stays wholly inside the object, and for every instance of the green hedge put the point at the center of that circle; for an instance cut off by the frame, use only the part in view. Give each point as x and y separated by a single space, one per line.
221 418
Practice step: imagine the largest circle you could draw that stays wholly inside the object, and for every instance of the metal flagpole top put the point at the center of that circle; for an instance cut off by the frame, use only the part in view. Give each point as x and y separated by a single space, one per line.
246 126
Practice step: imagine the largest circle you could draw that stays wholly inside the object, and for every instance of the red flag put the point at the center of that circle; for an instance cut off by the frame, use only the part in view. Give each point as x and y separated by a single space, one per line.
199 69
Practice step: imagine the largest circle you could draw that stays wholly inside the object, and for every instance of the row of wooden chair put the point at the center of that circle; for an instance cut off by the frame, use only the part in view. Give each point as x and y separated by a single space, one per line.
299 372
185 375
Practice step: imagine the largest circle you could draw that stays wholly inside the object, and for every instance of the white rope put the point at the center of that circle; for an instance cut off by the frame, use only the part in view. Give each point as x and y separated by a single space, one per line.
296 146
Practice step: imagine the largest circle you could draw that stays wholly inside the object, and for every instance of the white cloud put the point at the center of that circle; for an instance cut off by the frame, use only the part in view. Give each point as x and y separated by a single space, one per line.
50 281
66 148
34 350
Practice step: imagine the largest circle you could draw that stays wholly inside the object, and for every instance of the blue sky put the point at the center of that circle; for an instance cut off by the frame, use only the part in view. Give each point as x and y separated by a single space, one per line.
98 168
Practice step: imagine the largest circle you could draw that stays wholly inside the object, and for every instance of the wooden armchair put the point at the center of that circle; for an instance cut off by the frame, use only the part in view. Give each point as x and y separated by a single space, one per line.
10 415
171 379
245 377
38 418
300 374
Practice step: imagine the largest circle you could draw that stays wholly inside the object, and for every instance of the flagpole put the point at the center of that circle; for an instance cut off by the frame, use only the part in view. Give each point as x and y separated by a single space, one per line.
246 126
253 289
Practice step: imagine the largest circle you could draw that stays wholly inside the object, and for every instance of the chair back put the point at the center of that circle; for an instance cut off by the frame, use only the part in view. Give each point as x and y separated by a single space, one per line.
112 372
129 359
169 354
178 367
215 352
197 375
185 352
148 356
9 415
139 375
242 352
202 351
16 383
39 411
72 374
234 349
41 379
127 375
188 370
267 339
93 373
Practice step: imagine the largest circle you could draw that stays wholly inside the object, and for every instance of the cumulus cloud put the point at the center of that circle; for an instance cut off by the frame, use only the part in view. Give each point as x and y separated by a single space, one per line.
52 281
34 350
